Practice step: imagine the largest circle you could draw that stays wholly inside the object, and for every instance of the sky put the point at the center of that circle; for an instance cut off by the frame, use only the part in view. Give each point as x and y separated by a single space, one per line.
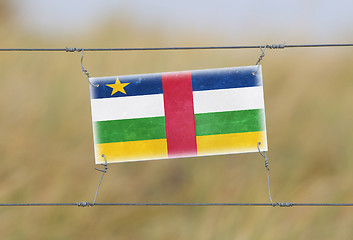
315 20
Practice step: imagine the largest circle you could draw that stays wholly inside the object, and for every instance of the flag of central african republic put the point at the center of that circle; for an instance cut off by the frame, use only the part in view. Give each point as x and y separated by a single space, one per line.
178 114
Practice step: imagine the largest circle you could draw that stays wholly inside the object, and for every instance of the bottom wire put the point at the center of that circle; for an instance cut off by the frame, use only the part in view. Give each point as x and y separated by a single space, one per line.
87 204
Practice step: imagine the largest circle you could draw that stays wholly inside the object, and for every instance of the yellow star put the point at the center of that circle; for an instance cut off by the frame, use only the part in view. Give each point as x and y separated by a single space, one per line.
117 86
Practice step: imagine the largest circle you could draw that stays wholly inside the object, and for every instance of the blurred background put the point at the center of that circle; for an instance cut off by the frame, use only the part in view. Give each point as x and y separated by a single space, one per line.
46 134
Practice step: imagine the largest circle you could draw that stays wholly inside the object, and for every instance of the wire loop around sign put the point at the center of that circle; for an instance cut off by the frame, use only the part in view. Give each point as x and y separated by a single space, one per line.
263 154
262 55
105 164
85 71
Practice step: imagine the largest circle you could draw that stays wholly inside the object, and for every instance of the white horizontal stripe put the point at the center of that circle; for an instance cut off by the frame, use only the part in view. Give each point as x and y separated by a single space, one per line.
105 109
233 99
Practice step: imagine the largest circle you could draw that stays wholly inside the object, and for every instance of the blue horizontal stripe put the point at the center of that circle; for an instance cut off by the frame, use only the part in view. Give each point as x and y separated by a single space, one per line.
144 84
223 78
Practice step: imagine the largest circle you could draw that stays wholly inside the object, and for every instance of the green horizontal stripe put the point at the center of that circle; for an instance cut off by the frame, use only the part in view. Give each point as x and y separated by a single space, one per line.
129 130
229 122
154 128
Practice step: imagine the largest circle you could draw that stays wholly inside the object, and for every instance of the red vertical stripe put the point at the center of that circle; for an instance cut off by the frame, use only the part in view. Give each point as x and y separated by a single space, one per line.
179 114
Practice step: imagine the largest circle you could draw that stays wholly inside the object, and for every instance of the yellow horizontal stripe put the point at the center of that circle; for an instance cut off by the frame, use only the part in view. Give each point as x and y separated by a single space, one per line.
231 143
132 151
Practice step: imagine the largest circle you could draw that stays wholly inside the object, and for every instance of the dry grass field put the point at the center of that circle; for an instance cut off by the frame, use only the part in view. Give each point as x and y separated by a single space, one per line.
47 147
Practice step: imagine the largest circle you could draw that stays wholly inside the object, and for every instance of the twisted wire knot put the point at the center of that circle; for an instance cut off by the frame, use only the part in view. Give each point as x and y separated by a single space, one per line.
68 49
85 72
267 164
261 56
276 46
263 154
84 204
283 204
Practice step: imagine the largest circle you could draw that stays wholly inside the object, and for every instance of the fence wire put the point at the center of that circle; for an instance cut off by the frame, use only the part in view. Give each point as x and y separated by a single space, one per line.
89 204
268 46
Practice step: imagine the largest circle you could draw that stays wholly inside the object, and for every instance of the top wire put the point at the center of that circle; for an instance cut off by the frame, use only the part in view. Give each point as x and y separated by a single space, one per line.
272 46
